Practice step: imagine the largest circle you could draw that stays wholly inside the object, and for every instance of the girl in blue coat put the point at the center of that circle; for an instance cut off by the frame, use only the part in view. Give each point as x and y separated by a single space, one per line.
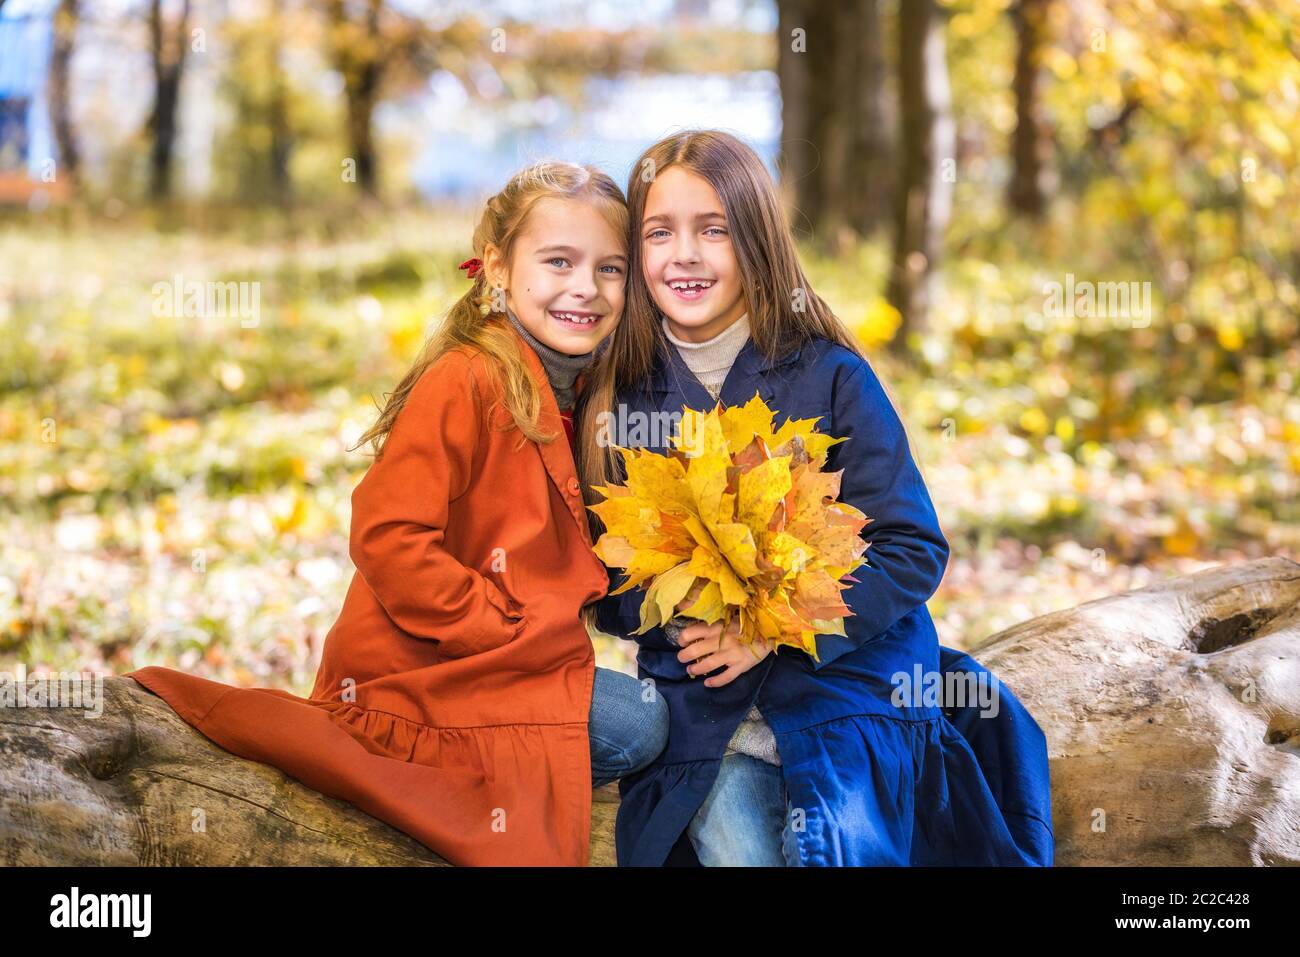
886 749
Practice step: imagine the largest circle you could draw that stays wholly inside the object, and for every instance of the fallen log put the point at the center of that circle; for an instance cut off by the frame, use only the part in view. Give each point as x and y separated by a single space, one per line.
137 785
1172 716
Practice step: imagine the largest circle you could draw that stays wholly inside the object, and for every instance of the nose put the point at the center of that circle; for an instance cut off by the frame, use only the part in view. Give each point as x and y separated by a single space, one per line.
686 252
584 286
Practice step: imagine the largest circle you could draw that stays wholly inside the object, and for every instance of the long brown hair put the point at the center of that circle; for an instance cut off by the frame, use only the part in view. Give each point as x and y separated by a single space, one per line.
770 273
504 218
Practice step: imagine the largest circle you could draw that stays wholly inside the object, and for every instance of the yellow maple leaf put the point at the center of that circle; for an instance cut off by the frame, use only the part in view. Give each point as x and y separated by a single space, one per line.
745 514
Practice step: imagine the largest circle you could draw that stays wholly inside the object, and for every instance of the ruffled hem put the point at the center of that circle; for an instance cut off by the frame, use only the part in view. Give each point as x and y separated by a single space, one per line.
506 794
874 791
655 807
405 739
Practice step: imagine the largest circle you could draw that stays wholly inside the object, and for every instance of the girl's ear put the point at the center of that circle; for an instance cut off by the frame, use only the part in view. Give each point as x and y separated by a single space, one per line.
494 266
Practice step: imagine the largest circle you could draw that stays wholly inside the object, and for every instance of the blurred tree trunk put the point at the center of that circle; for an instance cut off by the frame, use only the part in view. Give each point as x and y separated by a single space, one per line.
1033 177
278 108
796 157
927 168
167 49
357 53
872 146
66 19
792 77
837 143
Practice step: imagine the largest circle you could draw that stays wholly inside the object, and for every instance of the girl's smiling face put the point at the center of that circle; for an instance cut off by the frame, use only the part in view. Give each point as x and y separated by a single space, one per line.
566 277
688 261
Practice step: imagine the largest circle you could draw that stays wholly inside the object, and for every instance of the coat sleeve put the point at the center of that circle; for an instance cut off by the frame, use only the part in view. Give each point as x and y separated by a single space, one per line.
399 519
620 615
908 552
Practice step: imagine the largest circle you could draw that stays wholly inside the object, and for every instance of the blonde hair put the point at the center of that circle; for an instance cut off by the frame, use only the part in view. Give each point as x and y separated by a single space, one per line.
504 219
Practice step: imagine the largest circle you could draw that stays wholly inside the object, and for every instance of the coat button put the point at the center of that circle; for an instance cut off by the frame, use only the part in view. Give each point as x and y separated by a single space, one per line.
574 487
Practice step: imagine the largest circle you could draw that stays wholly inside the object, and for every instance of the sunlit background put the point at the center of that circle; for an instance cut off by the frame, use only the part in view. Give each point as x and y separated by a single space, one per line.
174 488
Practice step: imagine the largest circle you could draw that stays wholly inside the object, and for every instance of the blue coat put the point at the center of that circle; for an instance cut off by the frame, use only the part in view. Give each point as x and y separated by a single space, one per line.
920 782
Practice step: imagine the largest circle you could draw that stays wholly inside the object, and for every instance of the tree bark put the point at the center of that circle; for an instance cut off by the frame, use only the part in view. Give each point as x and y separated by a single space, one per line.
796 154
168 49
1032 178
66 19
1172 717
281 134
869 121
837 143
927 168
137 785
357 55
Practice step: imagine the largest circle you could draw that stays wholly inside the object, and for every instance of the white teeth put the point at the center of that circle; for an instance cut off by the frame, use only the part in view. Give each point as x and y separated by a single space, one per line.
570 317
692 284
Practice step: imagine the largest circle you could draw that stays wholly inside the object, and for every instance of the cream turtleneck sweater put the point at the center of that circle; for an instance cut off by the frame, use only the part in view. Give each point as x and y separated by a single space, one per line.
710 362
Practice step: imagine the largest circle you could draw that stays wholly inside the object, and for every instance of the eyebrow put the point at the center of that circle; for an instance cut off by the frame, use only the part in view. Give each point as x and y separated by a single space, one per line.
571 250
664 217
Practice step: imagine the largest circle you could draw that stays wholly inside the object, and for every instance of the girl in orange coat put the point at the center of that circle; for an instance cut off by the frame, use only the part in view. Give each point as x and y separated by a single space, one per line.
458 698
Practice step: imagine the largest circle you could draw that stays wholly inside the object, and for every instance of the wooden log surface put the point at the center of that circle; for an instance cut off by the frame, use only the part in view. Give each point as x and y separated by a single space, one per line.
1172 715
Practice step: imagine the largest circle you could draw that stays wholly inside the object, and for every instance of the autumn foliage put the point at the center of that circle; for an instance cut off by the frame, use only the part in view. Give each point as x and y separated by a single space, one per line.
747 513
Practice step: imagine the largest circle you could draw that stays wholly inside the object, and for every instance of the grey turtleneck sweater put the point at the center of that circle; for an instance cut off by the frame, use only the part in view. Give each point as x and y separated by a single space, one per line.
562 369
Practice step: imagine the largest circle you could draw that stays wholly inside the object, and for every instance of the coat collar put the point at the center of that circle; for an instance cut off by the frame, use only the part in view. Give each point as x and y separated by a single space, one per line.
556 454
673 380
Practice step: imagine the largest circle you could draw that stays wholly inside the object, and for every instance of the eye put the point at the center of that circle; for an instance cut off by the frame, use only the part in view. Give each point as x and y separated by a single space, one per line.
558 259
655 232
718 230
618 270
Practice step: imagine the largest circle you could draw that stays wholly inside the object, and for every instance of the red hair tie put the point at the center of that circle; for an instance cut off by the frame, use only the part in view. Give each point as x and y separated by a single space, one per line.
474 266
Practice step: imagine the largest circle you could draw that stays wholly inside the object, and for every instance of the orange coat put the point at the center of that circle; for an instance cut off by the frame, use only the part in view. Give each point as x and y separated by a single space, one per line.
454 691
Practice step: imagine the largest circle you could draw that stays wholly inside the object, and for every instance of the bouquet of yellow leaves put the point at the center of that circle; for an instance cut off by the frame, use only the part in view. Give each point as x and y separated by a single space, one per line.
745 512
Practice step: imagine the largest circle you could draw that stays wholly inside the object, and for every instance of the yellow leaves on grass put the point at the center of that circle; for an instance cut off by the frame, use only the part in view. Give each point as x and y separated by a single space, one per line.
748 514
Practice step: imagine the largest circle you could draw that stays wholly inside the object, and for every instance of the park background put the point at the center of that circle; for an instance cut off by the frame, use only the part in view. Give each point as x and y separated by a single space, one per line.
174 489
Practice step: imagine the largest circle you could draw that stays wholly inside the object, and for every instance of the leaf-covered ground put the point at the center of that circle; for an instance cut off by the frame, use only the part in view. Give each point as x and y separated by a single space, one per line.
175 490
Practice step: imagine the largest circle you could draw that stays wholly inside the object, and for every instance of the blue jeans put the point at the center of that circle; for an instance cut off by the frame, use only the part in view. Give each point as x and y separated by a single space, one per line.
746 819
628 725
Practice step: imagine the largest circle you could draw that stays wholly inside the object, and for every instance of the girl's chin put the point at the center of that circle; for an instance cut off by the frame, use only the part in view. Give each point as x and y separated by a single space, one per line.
695 314
686 324
570 338
681 315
